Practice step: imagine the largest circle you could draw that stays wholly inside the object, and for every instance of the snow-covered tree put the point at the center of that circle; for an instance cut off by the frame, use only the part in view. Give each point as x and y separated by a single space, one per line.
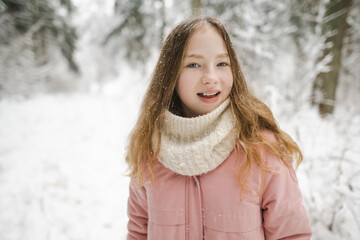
34 35
334 28
140 28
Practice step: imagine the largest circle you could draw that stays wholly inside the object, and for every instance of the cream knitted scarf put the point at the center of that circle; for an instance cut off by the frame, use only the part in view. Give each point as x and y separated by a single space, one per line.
192 146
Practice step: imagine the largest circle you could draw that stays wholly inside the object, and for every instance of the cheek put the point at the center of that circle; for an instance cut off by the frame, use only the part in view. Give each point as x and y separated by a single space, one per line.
187 81
229 81
182 87
227 85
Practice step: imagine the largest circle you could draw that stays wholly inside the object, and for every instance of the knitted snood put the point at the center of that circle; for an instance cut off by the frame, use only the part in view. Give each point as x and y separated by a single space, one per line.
193 146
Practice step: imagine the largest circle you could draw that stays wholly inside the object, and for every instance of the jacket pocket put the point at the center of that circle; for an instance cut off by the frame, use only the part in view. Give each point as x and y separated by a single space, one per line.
166 218
245 224
164 210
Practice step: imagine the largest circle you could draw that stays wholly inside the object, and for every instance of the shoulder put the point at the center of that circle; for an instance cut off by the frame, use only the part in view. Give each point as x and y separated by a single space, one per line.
274 163
269 158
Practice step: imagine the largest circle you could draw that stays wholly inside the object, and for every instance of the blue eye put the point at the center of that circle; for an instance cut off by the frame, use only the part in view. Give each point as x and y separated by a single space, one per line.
223 64
193 65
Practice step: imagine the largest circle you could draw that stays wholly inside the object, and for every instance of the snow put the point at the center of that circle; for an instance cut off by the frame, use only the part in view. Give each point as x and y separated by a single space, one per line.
329 176
62 168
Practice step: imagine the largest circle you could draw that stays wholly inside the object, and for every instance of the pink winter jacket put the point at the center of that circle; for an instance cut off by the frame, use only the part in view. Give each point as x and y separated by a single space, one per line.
177 207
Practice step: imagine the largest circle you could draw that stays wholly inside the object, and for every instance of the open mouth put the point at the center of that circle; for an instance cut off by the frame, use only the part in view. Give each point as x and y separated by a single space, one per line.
208 95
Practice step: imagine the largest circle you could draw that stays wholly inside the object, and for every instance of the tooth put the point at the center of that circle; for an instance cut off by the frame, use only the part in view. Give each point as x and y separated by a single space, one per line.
209 94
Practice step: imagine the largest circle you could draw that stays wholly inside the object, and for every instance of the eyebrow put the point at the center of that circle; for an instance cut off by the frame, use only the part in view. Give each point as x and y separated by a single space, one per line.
222 55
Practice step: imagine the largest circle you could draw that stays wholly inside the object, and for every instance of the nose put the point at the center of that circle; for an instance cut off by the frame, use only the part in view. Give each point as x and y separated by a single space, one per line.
209 76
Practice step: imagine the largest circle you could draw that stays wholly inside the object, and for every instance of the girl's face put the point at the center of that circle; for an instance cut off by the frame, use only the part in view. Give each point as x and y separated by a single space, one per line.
205 78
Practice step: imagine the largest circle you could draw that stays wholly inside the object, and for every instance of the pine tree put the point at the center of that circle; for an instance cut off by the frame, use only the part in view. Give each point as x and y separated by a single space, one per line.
30 33
141 26
40 20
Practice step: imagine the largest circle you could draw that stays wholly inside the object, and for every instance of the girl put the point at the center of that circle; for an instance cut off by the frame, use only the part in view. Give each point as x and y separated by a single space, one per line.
207 158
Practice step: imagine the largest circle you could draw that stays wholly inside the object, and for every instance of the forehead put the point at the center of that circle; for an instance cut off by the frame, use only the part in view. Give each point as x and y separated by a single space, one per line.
205 38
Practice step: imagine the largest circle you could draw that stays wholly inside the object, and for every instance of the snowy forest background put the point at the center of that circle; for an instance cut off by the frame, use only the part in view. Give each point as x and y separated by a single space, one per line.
73 73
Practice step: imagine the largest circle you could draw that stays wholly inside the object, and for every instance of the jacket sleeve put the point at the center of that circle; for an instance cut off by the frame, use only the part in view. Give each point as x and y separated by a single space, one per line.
137 213
284 214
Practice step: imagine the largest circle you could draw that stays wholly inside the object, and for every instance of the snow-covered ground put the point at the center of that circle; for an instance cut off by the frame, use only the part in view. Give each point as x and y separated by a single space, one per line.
62 166
62 169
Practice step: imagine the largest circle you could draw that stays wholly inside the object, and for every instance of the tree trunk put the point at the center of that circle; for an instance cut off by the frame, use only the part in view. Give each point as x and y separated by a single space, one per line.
40 47
326 82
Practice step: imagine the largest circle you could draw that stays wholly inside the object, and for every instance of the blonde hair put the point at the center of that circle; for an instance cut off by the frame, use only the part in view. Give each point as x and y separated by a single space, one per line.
252 115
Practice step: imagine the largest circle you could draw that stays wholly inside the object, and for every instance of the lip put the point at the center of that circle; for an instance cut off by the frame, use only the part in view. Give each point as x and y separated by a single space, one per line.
209 96
209 91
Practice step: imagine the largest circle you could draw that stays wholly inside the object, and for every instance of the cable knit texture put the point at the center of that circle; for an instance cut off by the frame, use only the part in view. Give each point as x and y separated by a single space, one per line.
193 146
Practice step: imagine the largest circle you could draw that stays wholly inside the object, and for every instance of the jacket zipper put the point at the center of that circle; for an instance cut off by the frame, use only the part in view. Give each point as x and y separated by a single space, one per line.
187 228
198 186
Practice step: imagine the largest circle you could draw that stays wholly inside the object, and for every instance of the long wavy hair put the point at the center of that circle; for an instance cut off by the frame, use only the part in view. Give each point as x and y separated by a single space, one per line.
252 116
